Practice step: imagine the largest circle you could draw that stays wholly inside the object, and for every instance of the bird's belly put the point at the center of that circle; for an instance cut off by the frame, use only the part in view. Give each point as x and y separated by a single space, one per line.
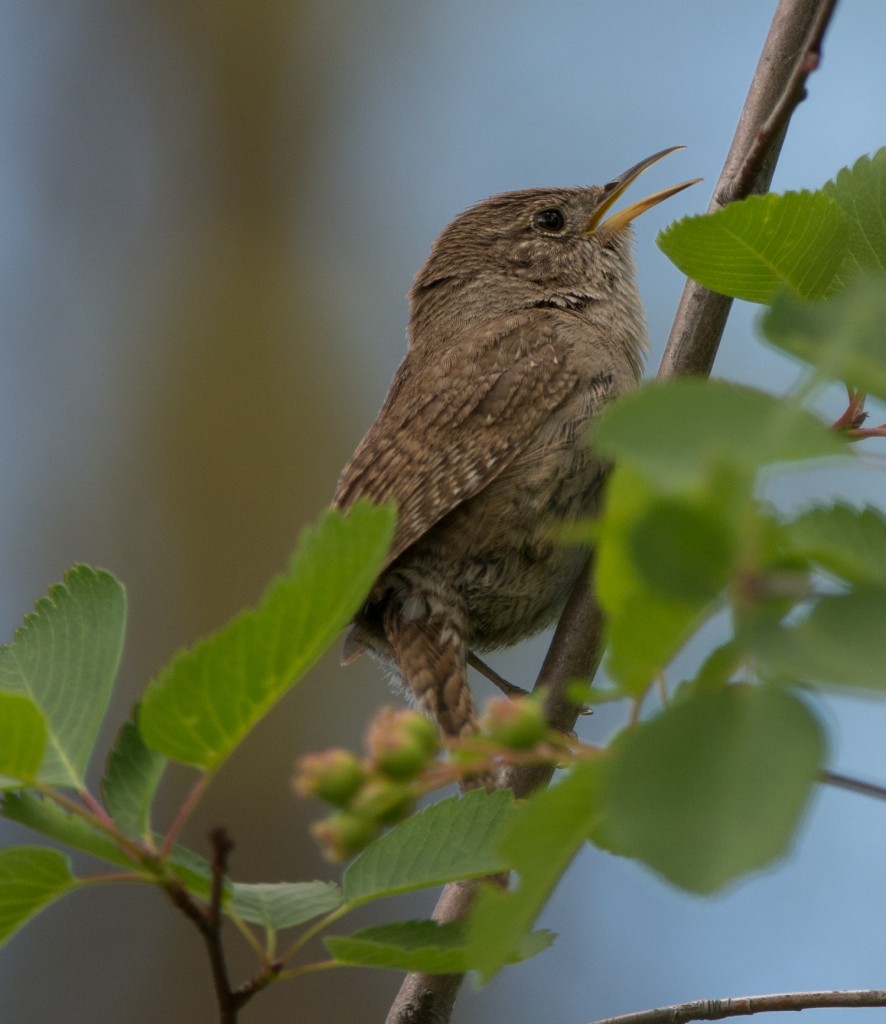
498 549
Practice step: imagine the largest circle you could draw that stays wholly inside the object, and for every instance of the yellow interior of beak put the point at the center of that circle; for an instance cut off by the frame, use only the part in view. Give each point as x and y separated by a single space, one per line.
616 188
612 225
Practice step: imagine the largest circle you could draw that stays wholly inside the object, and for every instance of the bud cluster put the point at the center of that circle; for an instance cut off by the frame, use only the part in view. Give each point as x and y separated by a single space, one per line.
517 725
379 789
400 764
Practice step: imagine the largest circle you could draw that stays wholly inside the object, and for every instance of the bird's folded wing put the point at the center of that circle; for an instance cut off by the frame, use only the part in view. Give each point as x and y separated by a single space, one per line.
431 451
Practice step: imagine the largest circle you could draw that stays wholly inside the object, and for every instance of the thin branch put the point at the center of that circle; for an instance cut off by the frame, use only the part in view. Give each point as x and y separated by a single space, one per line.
318 926
864 433
792 51
209 921
854 785
429 998
99 812
222 844
184 812
313 968
96 815
744 1006
773 129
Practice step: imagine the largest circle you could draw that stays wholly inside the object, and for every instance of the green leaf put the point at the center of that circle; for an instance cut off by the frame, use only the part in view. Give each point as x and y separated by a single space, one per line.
683 549
717 669
753 248
861 194
65 659
841 641
634 656
454 838
405 946
426 946
46 817
208 698
713 787
546 833
132 774
270 905
676 432
22 740
845 541
194 872
31 877
273 906
843 337
283 904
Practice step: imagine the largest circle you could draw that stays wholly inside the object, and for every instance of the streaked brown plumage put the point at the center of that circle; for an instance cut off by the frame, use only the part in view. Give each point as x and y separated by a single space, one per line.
524 322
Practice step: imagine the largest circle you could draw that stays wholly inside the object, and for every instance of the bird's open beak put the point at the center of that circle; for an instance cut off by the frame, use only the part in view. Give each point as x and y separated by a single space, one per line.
614 189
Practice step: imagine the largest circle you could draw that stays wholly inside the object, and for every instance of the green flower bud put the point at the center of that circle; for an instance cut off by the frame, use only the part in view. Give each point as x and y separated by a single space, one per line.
385 801
344 834
332 775
515 724
401 743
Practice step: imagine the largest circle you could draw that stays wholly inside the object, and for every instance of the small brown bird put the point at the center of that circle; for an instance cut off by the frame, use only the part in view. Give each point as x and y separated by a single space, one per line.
524 322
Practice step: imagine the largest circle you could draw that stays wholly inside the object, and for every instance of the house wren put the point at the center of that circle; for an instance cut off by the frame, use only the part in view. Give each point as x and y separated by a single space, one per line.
524 322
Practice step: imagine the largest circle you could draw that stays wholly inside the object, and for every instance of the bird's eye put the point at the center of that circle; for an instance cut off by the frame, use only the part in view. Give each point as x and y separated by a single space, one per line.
549 220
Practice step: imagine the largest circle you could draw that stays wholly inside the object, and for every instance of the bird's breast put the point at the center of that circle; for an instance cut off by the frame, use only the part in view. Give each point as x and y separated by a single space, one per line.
499 549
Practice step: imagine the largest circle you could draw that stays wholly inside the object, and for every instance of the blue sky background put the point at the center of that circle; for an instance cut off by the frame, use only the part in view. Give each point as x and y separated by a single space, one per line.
210 215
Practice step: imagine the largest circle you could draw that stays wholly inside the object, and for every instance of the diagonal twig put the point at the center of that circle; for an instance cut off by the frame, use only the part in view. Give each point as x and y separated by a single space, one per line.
744 1006
792 51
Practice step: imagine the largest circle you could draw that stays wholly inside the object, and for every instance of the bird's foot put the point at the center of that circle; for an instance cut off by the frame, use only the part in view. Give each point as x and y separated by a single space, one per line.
510 690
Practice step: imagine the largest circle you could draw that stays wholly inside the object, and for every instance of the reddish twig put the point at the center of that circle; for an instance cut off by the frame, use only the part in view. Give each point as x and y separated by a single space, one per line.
184 812
850 421
854 414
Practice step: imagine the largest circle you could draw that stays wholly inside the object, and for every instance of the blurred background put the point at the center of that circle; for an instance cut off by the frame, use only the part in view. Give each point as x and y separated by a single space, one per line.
210 215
